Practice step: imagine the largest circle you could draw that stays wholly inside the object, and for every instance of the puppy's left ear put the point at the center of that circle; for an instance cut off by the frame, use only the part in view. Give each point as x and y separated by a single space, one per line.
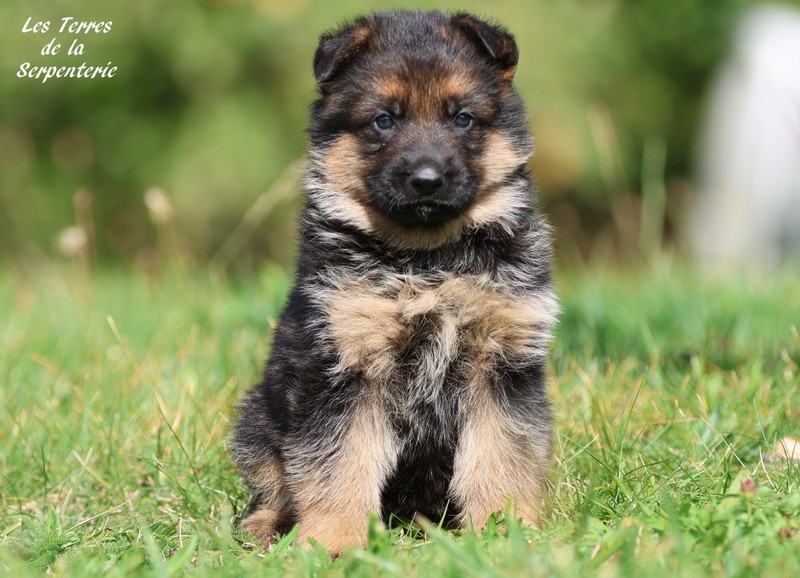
338 48
496 41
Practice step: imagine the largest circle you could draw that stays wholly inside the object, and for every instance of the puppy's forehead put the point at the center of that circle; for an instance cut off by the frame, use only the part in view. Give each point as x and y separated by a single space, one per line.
417 80
423 84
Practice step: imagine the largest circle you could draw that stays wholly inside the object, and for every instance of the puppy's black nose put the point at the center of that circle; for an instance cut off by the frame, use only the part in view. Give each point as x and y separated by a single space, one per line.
426 180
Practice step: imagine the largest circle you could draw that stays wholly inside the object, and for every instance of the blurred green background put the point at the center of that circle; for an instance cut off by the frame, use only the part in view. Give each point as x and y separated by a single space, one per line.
208 107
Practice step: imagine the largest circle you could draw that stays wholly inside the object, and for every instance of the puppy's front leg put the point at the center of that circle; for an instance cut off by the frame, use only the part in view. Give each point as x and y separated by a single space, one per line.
503 454
337 481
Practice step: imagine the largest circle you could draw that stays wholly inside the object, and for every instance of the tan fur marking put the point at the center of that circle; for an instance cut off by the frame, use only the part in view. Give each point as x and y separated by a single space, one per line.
342 168
492 203
369 328
457 84
334 506
391 87
508 73
360 35
426 101
496 462
497 324
269 481
500 159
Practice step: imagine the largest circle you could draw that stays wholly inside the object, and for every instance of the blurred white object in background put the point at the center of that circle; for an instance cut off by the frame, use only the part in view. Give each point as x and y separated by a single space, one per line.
747 211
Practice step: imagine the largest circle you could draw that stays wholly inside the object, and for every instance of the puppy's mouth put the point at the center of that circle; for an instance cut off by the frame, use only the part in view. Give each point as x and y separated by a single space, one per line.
424 213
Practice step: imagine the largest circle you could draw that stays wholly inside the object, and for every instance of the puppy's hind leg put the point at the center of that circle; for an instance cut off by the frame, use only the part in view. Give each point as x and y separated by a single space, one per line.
270 511
256 453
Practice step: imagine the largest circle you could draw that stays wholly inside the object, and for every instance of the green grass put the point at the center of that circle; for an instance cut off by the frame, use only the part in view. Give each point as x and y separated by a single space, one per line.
117 392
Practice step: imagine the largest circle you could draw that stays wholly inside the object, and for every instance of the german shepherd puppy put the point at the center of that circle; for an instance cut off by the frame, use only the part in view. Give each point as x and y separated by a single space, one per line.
407 374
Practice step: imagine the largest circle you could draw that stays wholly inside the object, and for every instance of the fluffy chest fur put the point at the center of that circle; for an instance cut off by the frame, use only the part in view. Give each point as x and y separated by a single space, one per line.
420 345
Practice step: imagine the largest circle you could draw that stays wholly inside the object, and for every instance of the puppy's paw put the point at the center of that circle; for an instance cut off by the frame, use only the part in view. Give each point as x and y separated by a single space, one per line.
334 535
477 516
265 524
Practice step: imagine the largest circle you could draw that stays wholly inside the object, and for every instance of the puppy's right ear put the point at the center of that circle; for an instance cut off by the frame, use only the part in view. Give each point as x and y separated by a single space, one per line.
339 47
495 41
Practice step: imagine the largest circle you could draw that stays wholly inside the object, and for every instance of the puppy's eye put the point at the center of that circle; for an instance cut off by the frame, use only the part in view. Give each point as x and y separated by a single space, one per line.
383 122
463 120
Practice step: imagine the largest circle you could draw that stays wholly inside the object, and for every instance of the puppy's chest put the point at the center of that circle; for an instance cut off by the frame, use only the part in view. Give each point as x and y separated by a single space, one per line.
420 339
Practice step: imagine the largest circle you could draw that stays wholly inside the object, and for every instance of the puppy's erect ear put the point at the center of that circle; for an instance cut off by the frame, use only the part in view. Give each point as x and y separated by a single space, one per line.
337 48
496 41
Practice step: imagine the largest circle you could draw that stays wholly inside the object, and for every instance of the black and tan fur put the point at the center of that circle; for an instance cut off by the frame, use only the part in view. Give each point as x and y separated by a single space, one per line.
407 373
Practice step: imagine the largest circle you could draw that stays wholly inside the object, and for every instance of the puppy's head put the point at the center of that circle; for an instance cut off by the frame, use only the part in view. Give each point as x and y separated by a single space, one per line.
418 127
